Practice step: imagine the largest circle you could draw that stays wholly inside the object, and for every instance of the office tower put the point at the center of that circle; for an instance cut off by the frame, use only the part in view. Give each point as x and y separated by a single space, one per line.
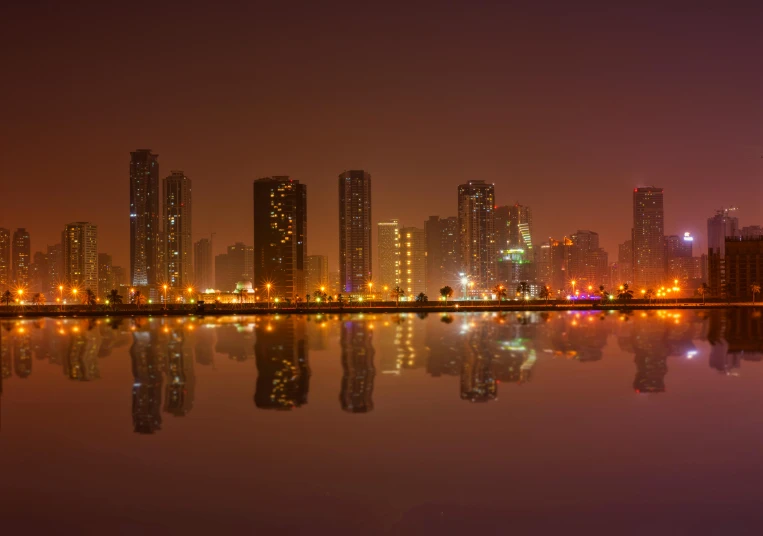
554 265
388 245
335 282
317 273
476 222
119 276
105 274
21 257
588 262
719 227
413 261
177 213
280 235
502 219
203 264
625 263
81 256
743 264
56 265
358 371
355 259
520 228
39 273
6 268
233 267
679 263
751 231
443 253
648 236
283 371
144 218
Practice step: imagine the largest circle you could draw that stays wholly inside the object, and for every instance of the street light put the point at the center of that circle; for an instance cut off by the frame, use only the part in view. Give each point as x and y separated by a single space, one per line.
190 292
165 295
21 294
268 287
370 290
61 292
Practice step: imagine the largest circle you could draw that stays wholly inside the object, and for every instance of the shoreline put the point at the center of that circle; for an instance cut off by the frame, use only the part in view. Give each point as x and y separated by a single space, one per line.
55 311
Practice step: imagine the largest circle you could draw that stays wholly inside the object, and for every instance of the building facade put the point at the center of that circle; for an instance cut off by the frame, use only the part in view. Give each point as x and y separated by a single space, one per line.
178 219
144 218
81 256
317 273
21 257
388 245
648 237
355 258
280 235
6 268
413 261
105 274
724 224
476 222
233 267
744 266
203 264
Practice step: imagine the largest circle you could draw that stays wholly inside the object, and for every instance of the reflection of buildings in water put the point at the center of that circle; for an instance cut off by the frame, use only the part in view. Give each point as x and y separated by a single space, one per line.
205 345
181 380
81 357
409 342
318 334
6 361
650 343
514 361
443 341
357 354
579 336
147 386
283 373
22 352
478 381
736 335
235 341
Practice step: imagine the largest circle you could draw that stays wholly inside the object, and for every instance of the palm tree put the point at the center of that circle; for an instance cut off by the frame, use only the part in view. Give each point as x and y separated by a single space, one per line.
545 293
138 298
39 299
340 300
88 298
422 298
329 299
397 292
307 300
500 292
114 298
703 289
649 295
755 289
603 293
625 293
7 297
446 292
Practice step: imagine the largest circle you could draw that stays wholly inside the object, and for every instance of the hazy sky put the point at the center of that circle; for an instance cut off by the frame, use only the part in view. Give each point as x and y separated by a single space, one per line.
564 109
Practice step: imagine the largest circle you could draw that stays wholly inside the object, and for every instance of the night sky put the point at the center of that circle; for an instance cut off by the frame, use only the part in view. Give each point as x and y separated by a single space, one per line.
564 109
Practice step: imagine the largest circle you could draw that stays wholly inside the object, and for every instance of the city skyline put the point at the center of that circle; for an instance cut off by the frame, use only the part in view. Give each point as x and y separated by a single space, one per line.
604 111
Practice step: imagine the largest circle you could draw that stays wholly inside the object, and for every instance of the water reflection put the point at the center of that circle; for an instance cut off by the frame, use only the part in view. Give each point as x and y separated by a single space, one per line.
482 350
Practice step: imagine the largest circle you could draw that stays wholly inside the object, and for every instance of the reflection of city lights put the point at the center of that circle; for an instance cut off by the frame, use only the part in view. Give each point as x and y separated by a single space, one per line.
690 354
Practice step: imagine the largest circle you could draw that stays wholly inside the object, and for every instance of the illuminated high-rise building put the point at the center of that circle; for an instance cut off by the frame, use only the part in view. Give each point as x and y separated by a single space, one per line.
144 218
178 244
203 264
234 266
625 263
280 235
388 244
56 266
6 268
589 263
443 253
719 227
355 258
476 221
81 256
39 273
21 257
520 228
317 273
648 237
502 217
413 261
105 273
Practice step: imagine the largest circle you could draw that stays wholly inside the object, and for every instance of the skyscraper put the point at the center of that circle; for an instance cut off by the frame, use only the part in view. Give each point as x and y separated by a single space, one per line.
203 264
502 217
588 262
388 245
144 218
280 235
233 267
105 274
355 259
443 253
56 266
317 273
520 228
719 227
413 261
81 256
625 263
476 222
22 257
6 268
648 237
177 212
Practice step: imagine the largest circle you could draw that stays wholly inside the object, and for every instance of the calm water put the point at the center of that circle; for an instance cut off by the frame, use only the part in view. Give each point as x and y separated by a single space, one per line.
650 423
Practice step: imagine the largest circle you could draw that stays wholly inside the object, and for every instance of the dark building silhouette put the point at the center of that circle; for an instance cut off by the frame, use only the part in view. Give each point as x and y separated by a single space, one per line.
355 231
147 385
356 343
81 357
144 218
283 374
649 341
478 381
